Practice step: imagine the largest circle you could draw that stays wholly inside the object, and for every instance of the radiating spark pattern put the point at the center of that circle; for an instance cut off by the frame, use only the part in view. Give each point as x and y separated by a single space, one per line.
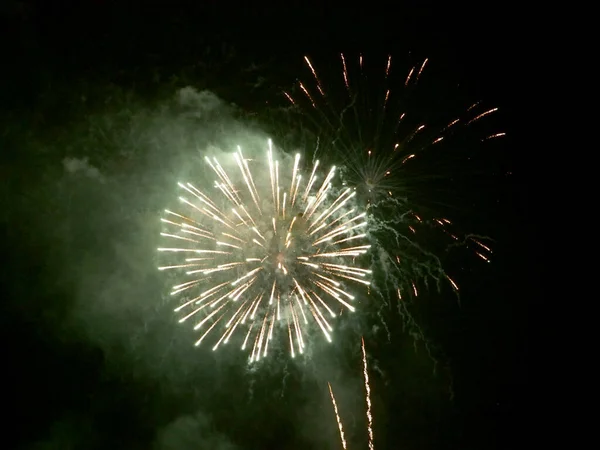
376 132
265 253
381 140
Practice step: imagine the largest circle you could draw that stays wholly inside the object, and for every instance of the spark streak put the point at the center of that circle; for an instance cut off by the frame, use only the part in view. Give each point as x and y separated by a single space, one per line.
367 399
368 396
337 417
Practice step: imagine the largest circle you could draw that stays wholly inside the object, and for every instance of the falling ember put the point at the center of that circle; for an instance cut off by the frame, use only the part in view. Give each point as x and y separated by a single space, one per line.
273 251
454 285
308 95
337 417
422 67
485 258
368 396
408 77
482 245
408 158
482 115
289 97
494 136
345 72
315 75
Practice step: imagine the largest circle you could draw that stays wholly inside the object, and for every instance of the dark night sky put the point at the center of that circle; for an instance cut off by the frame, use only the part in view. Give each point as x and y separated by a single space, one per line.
66 390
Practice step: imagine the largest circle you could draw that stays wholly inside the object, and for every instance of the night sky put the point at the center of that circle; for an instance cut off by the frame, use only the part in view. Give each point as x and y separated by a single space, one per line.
89 149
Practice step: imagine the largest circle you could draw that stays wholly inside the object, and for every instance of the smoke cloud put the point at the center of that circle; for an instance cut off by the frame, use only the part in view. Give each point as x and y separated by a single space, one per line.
104 196
193 432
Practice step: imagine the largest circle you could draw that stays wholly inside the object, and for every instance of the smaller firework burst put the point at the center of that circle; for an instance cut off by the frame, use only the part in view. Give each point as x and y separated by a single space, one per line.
370 119
376 130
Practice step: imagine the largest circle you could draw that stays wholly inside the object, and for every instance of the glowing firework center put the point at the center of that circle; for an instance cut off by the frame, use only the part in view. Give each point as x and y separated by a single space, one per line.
265 253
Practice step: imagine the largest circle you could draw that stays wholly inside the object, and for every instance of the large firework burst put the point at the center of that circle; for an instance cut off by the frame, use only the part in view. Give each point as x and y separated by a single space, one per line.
264 252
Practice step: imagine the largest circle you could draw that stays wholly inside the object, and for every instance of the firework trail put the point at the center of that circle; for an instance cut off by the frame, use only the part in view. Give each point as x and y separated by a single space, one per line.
367 396
337 417
367 399
378 139
264 253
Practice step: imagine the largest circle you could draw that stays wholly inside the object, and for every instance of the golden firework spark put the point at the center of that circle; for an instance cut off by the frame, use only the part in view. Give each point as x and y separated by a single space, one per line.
260 254
337 417
367 396
367 399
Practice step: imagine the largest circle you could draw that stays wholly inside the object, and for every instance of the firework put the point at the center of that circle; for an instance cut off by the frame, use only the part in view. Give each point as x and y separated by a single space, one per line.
337 417
378 135
375 128
265 253
367 400
367 395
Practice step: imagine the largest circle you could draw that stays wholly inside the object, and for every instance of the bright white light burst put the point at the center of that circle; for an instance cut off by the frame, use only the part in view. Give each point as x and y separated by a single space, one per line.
265 253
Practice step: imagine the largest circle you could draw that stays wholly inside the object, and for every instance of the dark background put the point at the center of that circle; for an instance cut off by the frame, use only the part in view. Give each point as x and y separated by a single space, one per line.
59 385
